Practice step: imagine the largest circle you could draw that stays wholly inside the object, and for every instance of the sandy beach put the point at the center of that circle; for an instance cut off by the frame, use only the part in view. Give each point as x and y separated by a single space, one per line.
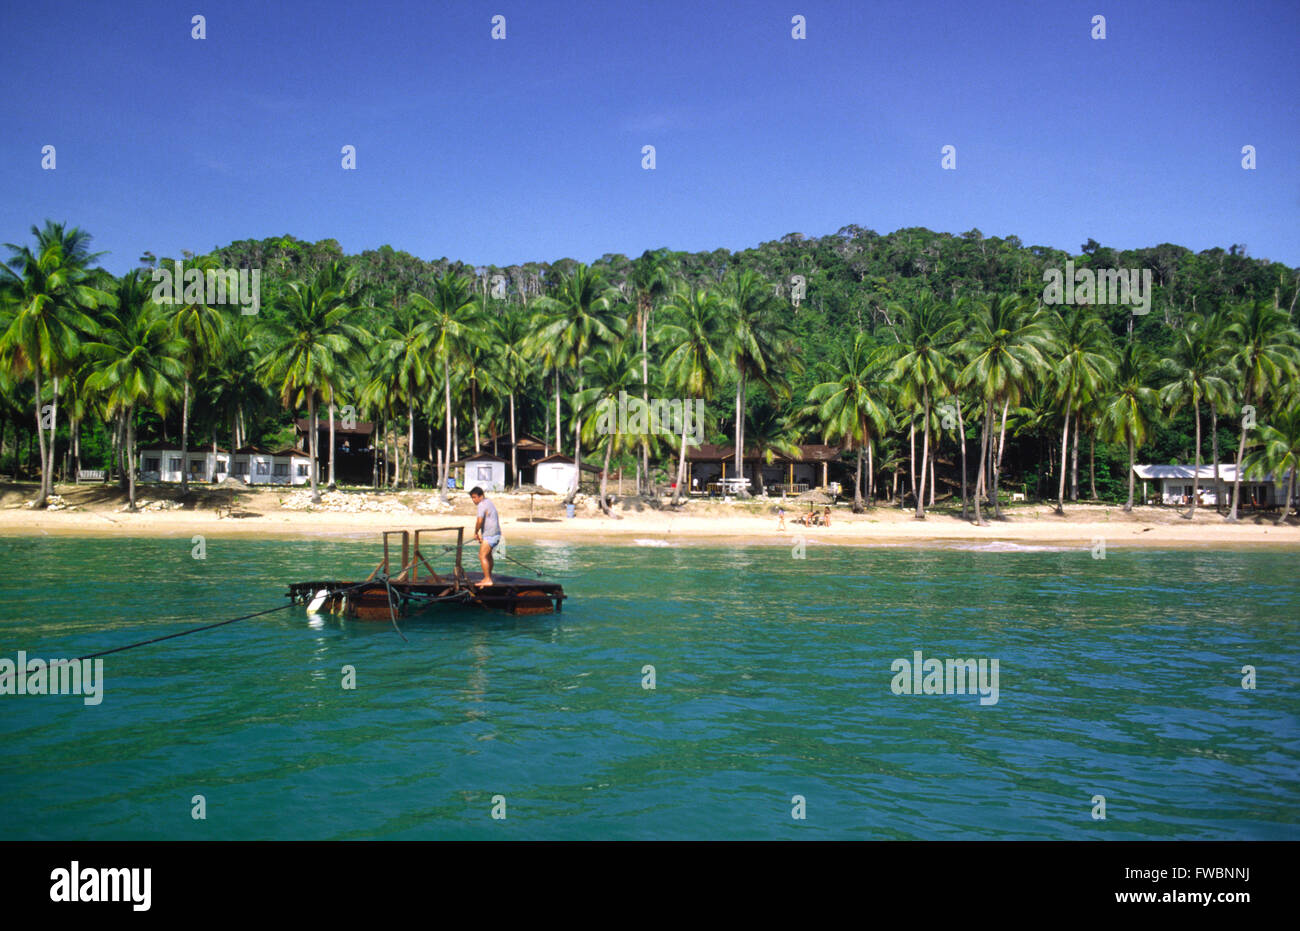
96 510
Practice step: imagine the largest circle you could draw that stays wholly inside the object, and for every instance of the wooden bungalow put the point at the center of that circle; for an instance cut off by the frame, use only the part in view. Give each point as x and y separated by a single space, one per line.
711 467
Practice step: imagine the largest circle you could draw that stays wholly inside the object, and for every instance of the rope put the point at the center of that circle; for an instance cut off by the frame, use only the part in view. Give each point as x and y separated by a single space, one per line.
194 630
391 613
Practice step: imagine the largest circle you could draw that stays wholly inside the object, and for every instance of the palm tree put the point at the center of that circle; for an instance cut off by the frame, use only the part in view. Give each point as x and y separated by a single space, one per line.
1193 374
853 406
1133 406
613 372
403 361
1082 371
206 332
509 339
1277 452
695 366
137 363
50 290
1006 349
452 317
578 318
923 370
307 347
1265 357
758 346
651 284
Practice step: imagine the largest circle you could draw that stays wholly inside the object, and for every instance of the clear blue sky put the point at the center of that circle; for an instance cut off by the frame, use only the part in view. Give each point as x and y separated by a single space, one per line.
530 148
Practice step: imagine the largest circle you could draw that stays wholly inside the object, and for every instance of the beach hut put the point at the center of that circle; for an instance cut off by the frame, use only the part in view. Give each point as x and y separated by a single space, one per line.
1173 484
556 472
483 470
163 463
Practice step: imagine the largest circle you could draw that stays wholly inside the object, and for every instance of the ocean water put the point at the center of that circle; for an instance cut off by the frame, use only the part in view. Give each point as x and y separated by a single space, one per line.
773 697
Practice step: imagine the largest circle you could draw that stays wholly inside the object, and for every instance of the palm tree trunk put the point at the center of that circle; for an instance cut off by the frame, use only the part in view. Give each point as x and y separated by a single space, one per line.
185 439
577 449
333 444
984 445
1128 506
681 467
40 433
130 455
925 453
645 396
1065 445
315 443
54 425
410 446
857 484
514 457
740 433
961 433
871 476
1214 451
443 462
1092 467
557 412
1286 504
1074 459
1196 470
997 464
911 442
604 477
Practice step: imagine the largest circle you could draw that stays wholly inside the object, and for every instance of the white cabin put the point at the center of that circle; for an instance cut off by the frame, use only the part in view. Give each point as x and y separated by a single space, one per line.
483 470
1173 485
252 464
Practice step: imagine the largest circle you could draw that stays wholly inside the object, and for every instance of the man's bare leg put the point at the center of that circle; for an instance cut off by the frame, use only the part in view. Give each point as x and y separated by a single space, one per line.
485 560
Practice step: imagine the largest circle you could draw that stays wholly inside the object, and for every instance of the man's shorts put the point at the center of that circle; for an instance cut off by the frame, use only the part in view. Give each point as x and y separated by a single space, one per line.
493 541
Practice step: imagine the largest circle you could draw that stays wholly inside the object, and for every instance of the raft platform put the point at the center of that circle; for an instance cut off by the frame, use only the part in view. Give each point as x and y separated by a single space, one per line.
417 587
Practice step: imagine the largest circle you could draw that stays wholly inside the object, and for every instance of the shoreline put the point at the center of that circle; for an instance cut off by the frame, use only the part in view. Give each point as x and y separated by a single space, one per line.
94 512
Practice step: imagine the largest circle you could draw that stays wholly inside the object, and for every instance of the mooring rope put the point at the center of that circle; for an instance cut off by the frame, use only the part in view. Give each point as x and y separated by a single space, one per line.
195 630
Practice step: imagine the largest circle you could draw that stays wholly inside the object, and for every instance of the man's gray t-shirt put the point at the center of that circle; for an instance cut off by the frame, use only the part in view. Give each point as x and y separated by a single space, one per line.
488 511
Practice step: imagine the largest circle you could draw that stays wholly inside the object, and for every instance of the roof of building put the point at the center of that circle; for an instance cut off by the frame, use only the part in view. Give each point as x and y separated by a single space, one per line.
560 457
479 457
1227 472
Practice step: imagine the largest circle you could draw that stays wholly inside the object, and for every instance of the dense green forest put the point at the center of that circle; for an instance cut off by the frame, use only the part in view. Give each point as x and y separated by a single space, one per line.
929 358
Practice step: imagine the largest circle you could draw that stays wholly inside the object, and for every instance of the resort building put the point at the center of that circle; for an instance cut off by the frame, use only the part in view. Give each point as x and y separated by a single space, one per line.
1173 484
483 470
251 464
353 451
556 472
710 467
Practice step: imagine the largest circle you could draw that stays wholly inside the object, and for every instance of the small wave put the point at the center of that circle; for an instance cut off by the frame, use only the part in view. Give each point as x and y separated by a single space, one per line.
1000 546
644 541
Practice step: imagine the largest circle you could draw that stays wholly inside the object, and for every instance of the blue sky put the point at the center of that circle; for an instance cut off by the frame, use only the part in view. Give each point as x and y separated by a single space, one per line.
530 148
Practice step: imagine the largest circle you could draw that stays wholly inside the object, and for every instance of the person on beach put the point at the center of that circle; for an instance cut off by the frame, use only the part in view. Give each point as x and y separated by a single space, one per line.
780 518
826 517
487 530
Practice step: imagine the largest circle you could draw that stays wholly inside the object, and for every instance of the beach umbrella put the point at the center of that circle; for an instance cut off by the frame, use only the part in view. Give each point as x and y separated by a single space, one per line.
531 491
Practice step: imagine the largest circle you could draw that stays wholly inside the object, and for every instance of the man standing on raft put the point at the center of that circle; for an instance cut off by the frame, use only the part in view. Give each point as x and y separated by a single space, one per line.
487 530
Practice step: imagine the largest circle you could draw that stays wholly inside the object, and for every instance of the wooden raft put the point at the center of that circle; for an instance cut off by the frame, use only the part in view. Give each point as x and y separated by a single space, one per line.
417 587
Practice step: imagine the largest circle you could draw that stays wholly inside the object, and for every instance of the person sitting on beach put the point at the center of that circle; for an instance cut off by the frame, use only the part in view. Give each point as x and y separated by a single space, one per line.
487 530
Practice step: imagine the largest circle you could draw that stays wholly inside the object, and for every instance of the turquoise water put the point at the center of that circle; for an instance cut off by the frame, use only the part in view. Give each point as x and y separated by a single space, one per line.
1118 677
